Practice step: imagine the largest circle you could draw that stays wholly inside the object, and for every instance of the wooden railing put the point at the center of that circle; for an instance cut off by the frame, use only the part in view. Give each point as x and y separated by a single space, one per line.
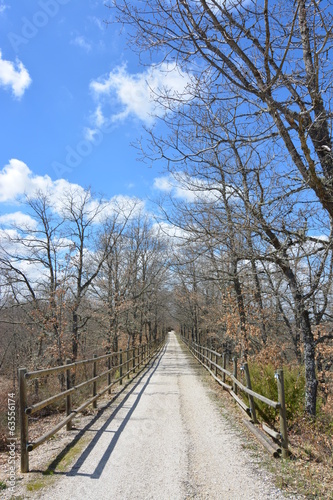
119 365
216 364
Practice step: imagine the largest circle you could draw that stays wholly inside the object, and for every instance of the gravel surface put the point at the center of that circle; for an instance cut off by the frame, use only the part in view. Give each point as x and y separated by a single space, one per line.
167 440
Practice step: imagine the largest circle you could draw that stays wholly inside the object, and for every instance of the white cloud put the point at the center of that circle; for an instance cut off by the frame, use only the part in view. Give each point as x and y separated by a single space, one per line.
126 207
187 188
18 219
172 233
16 179
82 42
142 94
99 118
89 134
14 75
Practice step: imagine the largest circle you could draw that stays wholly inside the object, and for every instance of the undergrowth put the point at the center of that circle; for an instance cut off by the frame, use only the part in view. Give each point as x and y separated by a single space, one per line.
264 382
310 438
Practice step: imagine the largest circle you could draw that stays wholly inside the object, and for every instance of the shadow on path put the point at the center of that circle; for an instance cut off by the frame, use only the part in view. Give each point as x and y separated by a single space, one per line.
84 456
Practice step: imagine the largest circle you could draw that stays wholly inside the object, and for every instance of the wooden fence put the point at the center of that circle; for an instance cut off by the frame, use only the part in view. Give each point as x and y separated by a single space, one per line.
119 365
216 364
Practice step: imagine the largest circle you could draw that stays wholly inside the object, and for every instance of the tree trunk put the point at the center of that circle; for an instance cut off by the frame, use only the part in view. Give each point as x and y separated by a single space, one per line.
75 336
241 312
311 382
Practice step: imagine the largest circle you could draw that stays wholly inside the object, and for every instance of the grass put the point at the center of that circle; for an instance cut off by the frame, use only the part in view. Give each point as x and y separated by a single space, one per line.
60 464
36 485
70 455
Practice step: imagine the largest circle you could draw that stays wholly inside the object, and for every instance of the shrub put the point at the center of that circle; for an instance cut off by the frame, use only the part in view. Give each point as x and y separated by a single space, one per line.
264 382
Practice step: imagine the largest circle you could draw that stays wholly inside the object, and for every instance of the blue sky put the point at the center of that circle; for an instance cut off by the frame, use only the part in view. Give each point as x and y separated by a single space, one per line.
72 99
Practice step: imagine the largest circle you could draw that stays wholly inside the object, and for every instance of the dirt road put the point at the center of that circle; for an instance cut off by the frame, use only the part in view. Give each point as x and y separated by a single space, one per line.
168 440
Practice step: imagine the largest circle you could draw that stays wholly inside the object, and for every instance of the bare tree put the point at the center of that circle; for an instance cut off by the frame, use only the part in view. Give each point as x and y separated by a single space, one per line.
83 216
131 281
270 59
32 265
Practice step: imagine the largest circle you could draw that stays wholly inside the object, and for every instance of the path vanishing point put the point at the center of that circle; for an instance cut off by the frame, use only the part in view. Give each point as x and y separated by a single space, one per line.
168 440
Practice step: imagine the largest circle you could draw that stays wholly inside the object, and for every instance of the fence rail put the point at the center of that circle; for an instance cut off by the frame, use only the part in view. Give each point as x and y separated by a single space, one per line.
209 359
122 364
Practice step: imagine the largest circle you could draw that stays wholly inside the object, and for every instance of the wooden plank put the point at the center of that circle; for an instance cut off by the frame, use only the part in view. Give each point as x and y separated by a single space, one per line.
59 369
219 381
274 404
42 404
268 401
261 438
271 432
240 402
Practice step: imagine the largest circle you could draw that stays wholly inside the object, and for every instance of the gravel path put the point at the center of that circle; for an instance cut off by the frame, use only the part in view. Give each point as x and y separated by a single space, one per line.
167 441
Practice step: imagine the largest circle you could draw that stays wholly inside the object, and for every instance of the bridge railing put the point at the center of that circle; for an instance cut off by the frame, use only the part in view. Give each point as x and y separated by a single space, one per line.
117 366
216 364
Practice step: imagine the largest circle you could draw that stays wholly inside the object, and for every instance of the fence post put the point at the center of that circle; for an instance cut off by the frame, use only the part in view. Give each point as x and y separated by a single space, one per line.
109 374
120 366
95 382
283 416
234 385
127 363
224 364
23 420
69 396
134 359
249 386
216 360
